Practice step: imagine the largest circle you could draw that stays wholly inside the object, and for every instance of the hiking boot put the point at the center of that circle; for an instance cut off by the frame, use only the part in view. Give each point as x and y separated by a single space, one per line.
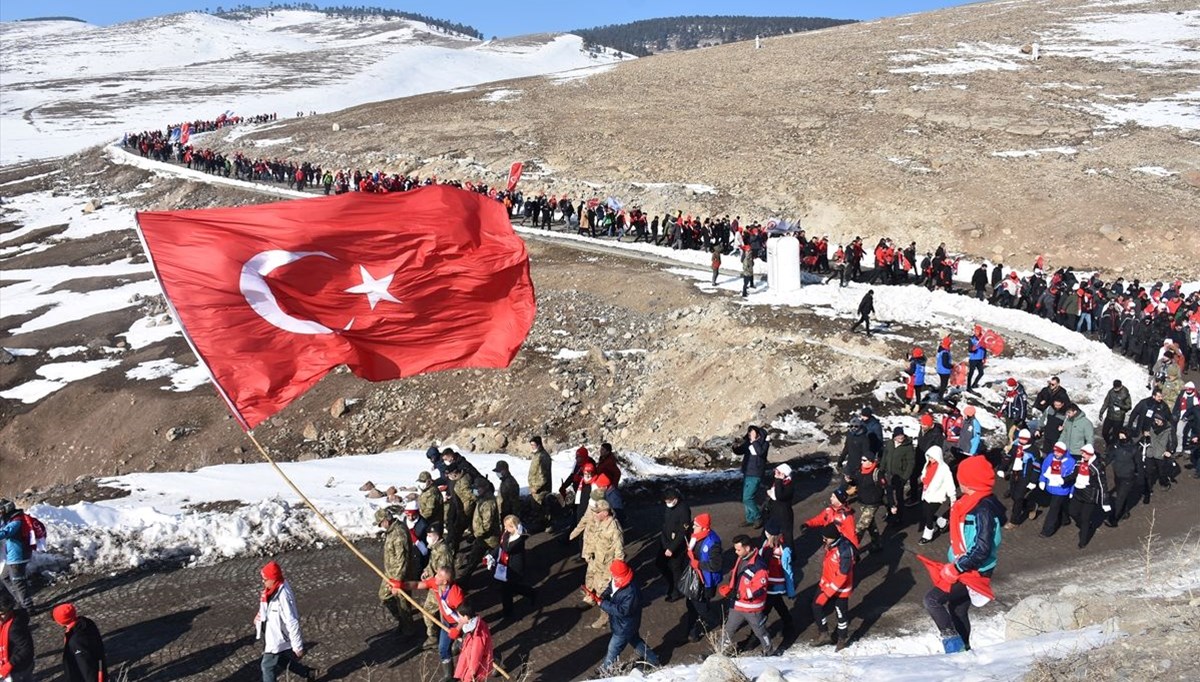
1010 525
842 644
821 638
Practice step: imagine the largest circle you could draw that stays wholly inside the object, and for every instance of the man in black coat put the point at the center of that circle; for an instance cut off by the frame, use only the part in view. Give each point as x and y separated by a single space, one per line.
83 651
1125 462
673 538
16 642
866 308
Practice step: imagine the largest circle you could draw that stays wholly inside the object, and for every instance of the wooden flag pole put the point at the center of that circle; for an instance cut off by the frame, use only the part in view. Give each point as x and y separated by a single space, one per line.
349 545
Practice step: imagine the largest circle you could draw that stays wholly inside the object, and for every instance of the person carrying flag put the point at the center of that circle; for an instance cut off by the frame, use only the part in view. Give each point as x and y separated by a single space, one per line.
976 519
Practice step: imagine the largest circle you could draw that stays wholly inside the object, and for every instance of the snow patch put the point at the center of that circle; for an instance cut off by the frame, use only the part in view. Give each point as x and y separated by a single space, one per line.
502 95
56 375
150 330
1021 153
1157 171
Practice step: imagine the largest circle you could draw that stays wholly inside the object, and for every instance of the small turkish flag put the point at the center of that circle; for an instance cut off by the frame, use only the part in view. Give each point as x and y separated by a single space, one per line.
272 297
514 175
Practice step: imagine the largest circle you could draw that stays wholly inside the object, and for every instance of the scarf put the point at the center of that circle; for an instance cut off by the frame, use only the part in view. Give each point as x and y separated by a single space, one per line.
930 470
269 592
958 514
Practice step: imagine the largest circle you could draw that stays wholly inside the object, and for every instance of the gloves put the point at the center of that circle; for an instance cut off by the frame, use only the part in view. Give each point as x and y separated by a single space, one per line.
1001 474
724 590
489 561
1042 485
1106 508
396 585
1031 486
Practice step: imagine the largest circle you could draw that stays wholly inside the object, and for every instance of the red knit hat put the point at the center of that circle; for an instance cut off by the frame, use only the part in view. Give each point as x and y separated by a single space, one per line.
621 572
65 614
602 481
272 571
704 520
977 474
581 452
926 420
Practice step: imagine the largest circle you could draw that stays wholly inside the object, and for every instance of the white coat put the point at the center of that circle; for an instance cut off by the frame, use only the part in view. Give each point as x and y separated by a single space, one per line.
278 622
941 487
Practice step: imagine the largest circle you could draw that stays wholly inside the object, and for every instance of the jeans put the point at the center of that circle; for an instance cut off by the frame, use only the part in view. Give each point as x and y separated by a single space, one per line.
18 585
1084 317
618 643
951 611
445 643
749 490
273 664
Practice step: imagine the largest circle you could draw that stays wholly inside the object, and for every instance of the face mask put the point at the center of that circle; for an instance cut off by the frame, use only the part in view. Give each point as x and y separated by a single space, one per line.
422 486
431 540
671 504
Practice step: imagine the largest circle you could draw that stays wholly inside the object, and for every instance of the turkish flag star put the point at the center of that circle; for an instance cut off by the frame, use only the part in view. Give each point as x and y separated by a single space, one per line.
376 290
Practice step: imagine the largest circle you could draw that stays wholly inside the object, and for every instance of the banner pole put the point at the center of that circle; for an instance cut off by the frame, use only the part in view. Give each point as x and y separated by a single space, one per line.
350 545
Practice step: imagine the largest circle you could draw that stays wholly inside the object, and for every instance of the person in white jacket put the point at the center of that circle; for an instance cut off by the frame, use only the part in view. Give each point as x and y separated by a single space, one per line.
278 625
937 488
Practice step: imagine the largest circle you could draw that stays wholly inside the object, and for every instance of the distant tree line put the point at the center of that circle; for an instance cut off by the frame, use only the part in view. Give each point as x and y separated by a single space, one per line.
54 19
346 12
649 36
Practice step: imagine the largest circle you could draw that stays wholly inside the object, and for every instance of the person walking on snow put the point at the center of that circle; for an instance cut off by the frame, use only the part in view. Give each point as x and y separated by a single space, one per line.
278 624
866 308
976 358
1091 491
747 270
944 366
976 519
1057 479
970 436
838 513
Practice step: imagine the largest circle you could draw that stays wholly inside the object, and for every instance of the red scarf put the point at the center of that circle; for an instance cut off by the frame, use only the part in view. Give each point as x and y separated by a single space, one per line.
1083 468
929 472
958 514
269 592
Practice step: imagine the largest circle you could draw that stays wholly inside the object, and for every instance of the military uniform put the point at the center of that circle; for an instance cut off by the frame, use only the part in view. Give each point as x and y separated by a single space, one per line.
440 556
510 495
399 563
539 485
430 500
604 543
485 526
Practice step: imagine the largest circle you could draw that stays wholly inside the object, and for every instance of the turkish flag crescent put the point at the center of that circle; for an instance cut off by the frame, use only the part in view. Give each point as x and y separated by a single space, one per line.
272 297
514 175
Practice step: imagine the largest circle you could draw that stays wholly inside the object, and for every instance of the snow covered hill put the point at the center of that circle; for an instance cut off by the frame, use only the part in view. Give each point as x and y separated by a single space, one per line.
68 84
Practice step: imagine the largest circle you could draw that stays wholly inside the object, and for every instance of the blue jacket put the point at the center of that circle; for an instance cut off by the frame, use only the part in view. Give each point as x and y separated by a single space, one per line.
708 555
916 367
981 537
978 352
969 436
624 609
944 364
1068 475
14 535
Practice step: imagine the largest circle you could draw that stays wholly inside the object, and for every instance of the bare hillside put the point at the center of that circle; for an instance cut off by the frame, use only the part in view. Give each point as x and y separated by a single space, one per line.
933 126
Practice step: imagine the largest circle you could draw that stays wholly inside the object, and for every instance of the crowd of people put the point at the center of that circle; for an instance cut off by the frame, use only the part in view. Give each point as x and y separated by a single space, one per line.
459 533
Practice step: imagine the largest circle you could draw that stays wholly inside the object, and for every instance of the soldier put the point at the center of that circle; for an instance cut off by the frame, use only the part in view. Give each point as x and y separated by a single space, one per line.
399 563
440 557
485 526
539 483
604 543
463 488
455 514
510 491
430 499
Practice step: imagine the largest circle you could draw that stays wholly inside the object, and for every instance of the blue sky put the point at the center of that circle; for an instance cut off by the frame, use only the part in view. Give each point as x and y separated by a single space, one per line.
498 18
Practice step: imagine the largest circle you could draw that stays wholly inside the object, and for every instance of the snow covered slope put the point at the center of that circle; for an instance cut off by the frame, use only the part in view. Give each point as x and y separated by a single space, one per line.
69 84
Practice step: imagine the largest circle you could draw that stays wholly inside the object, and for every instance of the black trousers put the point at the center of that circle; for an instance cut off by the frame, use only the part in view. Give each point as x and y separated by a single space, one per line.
671 568
702 613
820 611
1123 499
950 611
1084 515
943 382
1108 430
1155 471
510 588
1054 515
974 369
895 491
776 603
864 320
1017 488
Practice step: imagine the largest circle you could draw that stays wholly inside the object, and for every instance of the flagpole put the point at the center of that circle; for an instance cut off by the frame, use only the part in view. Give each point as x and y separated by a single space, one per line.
346 541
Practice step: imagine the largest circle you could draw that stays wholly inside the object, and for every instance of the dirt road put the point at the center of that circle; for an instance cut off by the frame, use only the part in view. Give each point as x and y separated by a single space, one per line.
179 623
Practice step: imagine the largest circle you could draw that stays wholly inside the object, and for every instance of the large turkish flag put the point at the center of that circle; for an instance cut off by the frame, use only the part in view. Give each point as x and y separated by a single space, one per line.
272 297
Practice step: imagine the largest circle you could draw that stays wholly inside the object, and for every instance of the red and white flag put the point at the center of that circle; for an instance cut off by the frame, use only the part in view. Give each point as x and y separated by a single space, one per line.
185 132
272 297
514 175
